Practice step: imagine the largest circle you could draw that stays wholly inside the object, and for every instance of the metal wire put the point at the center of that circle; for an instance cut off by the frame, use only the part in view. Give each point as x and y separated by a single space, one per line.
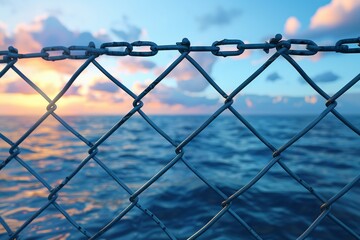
283 48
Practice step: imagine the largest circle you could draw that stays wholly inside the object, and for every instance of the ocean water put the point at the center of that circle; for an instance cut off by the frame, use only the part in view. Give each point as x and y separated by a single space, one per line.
226 153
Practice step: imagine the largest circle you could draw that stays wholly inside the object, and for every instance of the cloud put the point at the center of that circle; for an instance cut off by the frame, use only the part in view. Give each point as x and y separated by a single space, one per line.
18 87
174 96
273 77
47 31
292 25
73 91
132 33
339 18
24 41
135 65
221 17
188 78
108 87
326 77
53 32
249 103
105 92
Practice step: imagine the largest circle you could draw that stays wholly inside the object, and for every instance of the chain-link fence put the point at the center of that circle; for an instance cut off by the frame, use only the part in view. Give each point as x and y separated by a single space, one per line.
285 49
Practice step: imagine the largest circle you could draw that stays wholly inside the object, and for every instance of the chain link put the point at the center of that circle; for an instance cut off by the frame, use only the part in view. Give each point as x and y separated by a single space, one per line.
56 53
227 42
113 45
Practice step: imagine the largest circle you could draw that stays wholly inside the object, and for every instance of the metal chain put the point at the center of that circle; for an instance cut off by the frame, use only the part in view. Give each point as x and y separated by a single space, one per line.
56 53
282 48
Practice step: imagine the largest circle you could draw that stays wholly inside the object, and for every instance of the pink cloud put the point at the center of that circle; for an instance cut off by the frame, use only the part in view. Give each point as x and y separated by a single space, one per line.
50 31
135 65
334 13
249 103
46 31
18 87
73 91
339 18
292 25
24 42
104 86
161 100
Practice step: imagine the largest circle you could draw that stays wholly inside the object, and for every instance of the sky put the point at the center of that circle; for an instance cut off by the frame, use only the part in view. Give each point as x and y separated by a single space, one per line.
31 25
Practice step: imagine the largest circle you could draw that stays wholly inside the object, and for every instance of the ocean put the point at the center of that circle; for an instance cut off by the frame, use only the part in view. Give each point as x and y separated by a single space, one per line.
226 154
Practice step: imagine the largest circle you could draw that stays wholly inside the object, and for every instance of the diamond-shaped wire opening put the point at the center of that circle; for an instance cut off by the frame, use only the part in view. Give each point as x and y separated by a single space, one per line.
136 68
100 95
136 163
328 150
53 151
262 102
337 73
49 76
135 151
22 195
230 72
275 197
92 198
180 92
178 184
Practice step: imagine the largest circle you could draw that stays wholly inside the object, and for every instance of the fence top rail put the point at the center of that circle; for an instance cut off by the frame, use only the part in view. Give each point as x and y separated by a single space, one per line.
304 47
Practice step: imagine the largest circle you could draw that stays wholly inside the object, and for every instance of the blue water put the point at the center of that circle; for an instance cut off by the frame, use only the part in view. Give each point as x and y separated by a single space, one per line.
226 153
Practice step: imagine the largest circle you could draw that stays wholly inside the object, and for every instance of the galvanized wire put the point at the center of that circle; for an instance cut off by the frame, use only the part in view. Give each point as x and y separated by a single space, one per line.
282 48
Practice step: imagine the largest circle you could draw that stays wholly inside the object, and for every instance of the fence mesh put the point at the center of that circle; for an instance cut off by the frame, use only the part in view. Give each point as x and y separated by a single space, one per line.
279 48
